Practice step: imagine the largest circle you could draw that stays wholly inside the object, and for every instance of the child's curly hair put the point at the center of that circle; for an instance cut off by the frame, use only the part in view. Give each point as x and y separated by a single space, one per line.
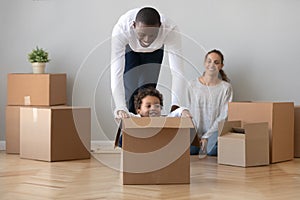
142 93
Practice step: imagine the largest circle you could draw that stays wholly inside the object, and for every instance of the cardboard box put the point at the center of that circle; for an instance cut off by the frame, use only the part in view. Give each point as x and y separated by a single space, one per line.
12 129
36 89
280 117
156 150
55 133
297 132
250 142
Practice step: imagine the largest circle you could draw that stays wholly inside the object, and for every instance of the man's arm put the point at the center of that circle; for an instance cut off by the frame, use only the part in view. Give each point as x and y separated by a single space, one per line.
117 71
173 48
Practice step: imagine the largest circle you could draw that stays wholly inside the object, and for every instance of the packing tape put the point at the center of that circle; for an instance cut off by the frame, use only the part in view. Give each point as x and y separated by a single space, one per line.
35 114
27 101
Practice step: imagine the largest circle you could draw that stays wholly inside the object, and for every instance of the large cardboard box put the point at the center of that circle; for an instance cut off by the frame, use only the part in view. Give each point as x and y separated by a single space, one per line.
36 89
297 132
280 117
12 129
156 150
55 133
250 142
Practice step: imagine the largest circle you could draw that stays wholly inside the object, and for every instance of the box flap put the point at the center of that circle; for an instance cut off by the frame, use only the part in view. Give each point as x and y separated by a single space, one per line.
118 134
226 126
256 130
153 122
238 130
157 122
232 135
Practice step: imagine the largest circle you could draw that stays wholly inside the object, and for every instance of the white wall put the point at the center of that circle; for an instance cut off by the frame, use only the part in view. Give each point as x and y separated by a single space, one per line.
259 39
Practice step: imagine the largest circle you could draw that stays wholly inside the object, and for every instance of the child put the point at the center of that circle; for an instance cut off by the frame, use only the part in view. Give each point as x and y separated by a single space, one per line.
148 103
208 98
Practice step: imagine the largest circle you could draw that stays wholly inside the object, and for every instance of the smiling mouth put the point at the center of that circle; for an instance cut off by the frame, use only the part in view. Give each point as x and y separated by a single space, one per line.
212 68
153 114
145 44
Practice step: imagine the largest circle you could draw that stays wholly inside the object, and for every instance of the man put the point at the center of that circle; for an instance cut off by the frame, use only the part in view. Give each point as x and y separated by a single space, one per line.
139 40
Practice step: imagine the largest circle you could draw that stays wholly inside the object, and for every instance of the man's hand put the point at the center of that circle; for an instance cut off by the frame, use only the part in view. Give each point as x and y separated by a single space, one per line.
186 113
122 114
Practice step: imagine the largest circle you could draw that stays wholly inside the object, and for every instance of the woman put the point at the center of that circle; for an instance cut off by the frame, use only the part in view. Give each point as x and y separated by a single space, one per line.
208 98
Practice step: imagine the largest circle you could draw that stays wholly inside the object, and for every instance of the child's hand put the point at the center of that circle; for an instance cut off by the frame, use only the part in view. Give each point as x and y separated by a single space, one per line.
186 113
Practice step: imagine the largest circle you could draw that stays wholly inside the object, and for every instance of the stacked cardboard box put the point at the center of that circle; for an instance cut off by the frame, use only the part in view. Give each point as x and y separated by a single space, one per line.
36 89
55 133
156 150
12 132
30 90
29 129
280 118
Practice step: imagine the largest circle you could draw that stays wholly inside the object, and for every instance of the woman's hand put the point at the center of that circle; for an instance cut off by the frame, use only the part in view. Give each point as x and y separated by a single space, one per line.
203 144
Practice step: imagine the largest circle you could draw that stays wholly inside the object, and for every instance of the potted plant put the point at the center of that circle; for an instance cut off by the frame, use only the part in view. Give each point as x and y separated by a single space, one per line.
38 57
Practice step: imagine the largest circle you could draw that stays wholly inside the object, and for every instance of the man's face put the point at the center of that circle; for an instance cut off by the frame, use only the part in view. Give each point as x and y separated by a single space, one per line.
146 34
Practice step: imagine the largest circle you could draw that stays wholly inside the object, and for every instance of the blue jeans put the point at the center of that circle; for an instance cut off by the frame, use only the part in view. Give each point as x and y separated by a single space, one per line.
141 70
212 146
120 141
194 150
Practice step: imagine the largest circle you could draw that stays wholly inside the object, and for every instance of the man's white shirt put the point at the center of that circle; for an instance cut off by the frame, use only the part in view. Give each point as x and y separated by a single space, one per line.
168 37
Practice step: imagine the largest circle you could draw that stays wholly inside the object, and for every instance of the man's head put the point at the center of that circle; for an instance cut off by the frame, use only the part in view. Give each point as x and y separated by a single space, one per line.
148 102
146 25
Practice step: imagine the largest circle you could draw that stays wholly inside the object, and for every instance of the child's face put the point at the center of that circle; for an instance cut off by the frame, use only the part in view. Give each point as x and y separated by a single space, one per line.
213 63
150 107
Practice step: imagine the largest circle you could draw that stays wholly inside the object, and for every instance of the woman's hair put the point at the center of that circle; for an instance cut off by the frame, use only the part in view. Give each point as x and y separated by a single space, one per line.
221 71
143 92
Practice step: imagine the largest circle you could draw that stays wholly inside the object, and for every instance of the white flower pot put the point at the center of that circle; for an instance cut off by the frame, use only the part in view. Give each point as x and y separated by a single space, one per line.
38 68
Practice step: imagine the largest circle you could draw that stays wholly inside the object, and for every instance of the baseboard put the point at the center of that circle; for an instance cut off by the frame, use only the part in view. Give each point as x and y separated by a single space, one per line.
101 146
97 146
2 145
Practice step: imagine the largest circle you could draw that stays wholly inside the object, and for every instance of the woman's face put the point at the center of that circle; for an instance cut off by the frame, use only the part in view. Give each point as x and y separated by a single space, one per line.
146 34
213 63
150 107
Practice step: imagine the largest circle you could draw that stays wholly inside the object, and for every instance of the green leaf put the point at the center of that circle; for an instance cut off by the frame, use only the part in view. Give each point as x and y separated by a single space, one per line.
38 55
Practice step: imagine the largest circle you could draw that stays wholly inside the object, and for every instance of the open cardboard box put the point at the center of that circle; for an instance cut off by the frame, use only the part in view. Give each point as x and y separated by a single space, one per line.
243 145
156 150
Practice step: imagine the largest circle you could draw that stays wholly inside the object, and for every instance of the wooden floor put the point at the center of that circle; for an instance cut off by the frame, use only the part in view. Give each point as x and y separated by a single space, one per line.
92 179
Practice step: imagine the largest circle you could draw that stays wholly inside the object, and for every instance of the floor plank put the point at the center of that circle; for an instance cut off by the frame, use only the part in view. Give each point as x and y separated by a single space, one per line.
99 178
